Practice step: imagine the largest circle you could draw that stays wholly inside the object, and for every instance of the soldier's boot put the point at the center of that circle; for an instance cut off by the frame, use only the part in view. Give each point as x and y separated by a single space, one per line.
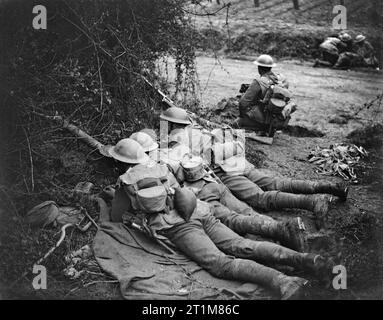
292 288
322 204
318 266
250 271
291 234
339 189
318 204
314 264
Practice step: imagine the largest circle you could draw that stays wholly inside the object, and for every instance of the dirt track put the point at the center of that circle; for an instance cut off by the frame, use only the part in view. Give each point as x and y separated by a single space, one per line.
321 94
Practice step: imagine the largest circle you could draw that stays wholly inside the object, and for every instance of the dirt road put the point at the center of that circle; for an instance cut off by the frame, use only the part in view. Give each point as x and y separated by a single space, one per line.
320 93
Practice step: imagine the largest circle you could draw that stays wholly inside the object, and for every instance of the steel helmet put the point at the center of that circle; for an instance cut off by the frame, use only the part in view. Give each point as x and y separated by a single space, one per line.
265 60
345 37
129 151
150 132
176 115
146 141
359 38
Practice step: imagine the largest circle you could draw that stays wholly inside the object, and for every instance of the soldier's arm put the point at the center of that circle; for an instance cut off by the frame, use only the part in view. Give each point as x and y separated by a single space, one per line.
341 46
370 48
250 97
120 205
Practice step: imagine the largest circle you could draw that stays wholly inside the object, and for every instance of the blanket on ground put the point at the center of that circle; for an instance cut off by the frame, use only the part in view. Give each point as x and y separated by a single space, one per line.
146 271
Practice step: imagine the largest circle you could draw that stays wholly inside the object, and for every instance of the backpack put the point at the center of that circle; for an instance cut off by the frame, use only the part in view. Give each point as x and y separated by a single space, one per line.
147 188
276 91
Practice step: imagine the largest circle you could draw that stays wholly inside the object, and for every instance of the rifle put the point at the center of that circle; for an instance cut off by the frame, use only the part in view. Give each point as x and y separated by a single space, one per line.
164 97
206 123
103 150
92 142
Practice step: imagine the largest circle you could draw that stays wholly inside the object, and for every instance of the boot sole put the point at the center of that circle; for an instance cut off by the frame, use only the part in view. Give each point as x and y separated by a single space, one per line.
298 294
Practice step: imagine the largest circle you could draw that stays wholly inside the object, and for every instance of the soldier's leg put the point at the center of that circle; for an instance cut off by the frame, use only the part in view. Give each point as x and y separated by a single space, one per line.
219 192
330 57
264 252
268 183
249 192
344 61
289 233
241 218
192 240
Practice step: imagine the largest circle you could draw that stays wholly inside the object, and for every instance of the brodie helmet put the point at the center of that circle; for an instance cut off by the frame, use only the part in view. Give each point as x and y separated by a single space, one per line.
176 115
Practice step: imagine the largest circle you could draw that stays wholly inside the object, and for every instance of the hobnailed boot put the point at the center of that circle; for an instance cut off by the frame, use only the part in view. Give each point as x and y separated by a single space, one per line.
339 189
321 208
292 288
292 234
318 204
318 266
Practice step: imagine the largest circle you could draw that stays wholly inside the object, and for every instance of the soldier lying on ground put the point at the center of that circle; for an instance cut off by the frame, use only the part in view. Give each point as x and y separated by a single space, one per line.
237 215
265 106
259 190
147 192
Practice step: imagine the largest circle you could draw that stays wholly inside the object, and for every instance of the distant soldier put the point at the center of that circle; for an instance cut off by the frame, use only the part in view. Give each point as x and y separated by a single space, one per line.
366 51
331 48
266 104
361 55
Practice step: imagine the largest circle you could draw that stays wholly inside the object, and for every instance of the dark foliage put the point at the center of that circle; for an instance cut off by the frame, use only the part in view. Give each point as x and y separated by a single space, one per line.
85 66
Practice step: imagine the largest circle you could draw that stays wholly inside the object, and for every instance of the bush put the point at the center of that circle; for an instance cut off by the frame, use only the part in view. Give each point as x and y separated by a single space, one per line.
86 67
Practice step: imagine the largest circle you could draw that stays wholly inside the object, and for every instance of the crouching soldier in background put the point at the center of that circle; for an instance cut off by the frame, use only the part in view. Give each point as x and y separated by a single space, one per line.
332 47
360 55
364 49
266 105
147 194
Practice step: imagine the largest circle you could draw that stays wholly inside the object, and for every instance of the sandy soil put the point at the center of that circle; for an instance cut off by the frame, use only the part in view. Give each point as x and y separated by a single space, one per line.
320 93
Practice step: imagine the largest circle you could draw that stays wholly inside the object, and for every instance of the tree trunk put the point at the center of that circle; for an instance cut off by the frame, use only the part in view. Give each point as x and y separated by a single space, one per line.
296 4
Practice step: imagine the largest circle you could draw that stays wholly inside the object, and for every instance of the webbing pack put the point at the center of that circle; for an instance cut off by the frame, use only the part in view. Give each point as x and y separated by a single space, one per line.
147 187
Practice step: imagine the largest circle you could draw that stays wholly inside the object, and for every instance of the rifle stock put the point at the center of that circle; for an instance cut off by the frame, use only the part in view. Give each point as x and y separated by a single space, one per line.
89 140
